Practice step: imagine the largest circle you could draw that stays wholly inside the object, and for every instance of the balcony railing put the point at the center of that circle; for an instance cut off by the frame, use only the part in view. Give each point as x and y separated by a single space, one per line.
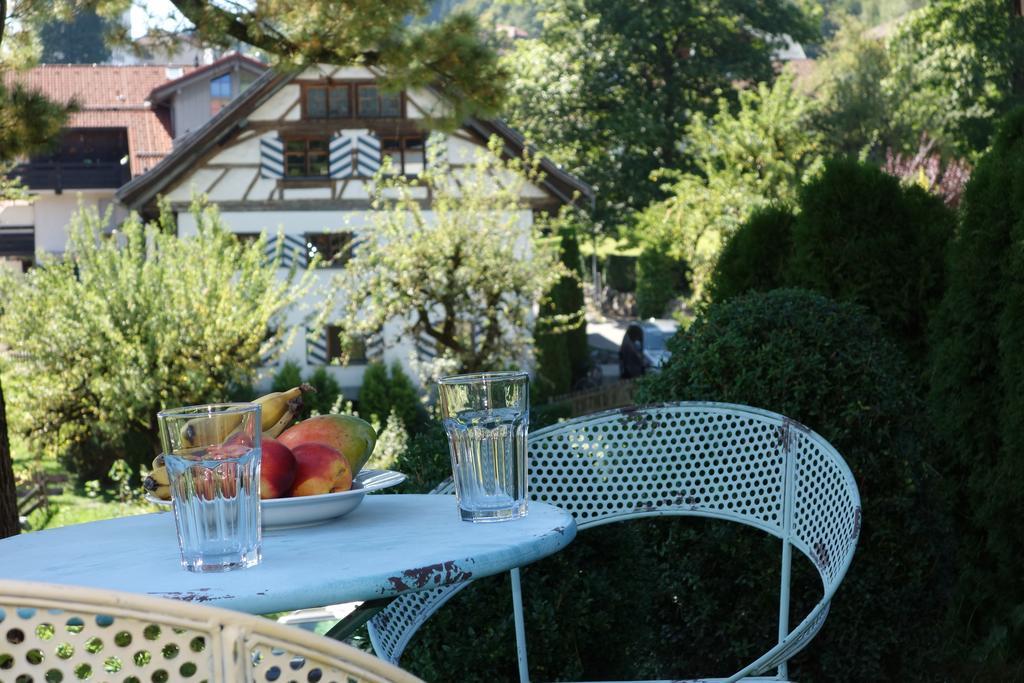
72 176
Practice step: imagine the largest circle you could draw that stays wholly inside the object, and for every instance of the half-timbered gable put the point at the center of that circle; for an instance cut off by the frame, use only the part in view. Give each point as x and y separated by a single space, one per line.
296 154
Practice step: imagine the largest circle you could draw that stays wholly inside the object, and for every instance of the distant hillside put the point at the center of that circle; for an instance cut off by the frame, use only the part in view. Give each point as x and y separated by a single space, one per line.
492 12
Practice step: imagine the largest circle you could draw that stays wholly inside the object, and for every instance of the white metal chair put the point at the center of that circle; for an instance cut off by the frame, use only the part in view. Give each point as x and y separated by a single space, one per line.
68 633
715 460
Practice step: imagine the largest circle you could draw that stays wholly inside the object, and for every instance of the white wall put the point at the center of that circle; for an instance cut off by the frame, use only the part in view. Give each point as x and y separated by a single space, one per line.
50 214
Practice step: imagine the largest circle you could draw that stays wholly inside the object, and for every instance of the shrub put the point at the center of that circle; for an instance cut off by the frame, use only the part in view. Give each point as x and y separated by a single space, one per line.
755 257
828 366
325 398
381 394
659 279
862 237
560 335
977 400
290 375
621 272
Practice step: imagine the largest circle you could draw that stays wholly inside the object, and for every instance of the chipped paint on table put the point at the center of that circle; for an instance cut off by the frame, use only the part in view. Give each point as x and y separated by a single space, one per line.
389 545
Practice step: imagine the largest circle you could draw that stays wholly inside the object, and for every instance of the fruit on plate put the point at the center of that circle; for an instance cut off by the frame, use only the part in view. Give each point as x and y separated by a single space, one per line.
277 469
352 437
320 469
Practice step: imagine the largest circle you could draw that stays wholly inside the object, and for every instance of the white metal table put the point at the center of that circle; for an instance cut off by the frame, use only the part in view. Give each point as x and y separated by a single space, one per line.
389 545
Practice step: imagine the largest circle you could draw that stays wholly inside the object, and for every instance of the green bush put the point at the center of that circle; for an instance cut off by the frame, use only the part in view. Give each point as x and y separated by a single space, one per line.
560 335
755 257
381 393
659 279
862 237
977 400
620 272
326 396
828 366
290 375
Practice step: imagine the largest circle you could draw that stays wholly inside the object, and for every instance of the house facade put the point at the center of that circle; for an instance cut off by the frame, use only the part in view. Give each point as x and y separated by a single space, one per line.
129 120
294 156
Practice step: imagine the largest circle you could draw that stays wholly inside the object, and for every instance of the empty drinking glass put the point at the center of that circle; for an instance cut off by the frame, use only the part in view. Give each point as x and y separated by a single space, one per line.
486 416
212 453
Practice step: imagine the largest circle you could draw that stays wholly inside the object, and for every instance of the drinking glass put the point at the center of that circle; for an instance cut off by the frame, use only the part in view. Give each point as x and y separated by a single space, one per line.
486 416
212 453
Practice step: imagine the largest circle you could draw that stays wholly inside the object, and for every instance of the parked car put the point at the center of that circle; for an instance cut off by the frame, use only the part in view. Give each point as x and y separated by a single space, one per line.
605 339
657 332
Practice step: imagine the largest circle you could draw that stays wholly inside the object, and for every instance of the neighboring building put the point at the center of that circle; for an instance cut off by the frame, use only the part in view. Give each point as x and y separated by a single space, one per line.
126 125
295 152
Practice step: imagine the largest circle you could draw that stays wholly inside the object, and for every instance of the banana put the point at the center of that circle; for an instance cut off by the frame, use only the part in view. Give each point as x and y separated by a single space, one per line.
280 407
158 483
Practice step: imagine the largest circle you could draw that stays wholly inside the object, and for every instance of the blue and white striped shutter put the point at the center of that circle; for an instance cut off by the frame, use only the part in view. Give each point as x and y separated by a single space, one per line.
271 156
375 347
293 250
316 347
340 155
367 154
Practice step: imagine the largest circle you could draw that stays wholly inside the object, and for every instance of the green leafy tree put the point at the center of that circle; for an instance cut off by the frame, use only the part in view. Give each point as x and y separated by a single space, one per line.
560 333
77 41
130 322
612 86
756 257
388 390
745 159
977 400
957 66
462 276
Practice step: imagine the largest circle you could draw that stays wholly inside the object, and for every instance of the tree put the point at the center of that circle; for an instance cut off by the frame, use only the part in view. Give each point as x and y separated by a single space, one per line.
957 66
758 155
78 41
560 333
448 54
132 321
9 522
624 80
460 278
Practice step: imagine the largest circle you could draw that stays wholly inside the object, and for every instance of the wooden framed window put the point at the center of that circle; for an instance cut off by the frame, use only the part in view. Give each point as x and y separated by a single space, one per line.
374 102
356 353
407 154
306 158
334 248
326 102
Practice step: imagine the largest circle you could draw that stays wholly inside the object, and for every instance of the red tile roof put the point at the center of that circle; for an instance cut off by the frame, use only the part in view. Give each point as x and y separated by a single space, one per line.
112 96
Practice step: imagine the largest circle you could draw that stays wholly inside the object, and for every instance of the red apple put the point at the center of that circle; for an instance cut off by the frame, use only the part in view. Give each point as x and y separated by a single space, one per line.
320 469
352 437
277 469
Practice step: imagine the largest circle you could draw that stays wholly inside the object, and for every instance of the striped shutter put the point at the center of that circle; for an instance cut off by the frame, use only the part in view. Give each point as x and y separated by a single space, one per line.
367 154
340 155
375 347
271 157
316 347
293 250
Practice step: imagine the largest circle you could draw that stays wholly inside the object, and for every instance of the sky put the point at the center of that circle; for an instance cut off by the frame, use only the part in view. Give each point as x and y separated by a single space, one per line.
158 11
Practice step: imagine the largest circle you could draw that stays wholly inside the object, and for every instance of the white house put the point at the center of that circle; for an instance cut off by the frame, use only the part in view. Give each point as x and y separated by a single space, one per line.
294 151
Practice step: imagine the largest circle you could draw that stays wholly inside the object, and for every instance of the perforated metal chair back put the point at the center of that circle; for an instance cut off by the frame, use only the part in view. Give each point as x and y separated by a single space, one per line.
67 633
715 460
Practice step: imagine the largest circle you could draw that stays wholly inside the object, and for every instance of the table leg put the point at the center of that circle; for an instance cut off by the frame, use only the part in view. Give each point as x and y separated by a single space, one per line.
359 616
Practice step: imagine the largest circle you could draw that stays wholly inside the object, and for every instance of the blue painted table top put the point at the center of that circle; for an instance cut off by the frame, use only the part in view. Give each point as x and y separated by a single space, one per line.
388 545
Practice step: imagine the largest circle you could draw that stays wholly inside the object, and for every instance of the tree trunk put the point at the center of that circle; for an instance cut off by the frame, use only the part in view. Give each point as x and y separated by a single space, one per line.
8 496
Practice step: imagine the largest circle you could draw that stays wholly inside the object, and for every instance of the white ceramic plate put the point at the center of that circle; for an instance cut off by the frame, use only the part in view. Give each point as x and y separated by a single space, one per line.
288 513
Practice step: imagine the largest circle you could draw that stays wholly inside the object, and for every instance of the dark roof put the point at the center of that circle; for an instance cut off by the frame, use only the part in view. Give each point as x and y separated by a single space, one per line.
225 64
144 189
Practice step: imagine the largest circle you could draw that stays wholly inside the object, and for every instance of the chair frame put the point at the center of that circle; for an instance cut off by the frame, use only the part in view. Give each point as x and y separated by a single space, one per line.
812 502
114 635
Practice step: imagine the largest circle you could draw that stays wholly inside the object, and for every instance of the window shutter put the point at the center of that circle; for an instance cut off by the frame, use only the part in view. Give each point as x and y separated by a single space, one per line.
271 157
316 347
294 251
340 155
367 154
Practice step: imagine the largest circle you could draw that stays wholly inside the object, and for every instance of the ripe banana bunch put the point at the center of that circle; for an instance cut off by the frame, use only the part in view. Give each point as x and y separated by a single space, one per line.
277 409
277 412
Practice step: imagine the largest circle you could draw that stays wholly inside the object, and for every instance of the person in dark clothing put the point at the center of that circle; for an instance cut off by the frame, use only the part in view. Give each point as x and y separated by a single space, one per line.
631 353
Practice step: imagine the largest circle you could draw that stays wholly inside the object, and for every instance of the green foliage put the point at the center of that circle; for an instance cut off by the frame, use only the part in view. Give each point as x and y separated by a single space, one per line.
610 87
862 237
449 54
78 41
462 278
382 394
755 258
620 272
290 375
828 366
130 322
426 461
957 65
977 377
758 155
324 399
560 333
659 279
28 121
